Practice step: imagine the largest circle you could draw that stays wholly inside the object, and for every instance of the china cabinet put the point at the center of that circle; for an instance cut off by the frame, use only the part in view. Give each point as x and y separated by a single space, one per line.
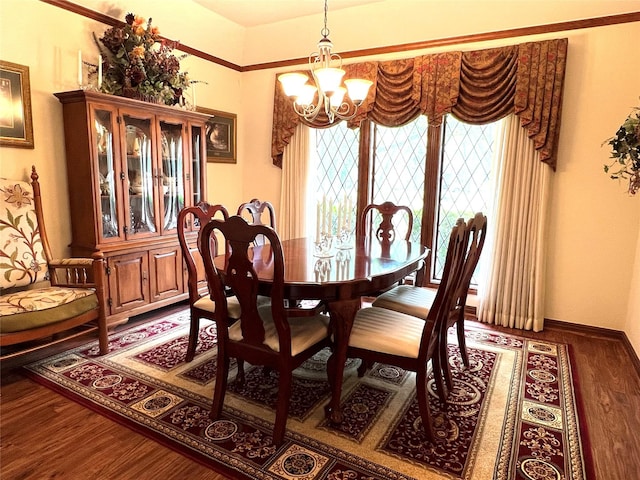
131 167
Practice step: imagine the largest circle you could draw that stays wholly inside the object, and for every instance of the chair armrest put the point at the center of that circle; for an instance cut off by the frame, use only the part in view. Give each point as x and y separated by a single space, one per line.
85 273
77 272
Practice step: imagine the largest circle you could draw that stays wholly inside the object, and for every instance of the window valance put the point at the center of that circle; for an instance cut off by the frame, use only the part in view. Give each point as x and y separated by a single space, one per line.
477 87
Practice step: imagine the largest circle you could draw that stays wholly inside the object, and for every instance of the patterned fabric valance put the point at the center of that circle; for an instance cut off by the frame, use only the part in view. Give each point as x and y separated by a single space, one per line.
477 87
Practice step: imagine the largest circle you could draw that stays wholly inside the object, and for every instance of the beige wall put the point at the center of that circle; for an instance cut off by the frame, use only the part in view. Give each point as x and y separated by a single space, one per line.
594 232
632 325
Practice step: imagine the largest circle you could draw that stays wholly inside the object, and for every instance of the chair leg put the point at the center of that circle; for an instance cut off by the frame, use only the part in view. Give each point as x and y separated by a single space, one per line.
423 403
443 353
222 373
282 409
194 332
438 374
240 373
364 366
462 342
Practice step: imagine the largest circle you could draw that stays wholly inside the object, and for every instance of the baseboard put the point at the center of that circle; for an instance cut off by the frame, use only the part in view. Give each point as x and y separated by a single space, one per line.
597 332
632 353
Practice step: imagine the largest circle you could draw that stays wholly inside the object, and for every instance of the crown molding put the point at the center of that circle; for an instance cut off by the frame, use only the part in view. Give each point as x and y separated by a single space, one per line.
457 40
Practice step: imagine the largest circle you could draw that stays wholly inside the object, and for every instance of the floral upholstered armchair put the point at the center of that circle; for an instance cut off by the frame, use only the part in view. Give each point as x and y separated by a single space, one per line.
41 297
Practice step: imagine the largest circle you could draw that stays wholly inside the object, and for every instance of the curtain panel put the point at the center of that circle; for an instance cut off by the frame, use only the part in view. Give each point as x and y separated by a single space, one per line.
478 87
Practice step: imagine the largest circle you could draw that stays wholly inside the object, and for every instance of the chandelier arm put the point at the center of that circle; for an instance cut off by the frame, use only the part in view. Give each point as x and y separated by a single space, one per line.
309 113
348 113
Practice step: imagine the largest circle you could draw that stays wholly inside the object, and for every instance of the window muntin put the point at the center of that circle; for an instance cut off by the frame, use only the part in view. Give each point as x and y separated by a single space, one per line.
399 171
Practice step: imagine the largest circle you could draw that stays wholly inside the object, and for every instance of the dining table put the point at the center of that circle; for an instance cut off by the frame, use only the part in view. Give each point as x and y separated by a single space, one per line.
338 275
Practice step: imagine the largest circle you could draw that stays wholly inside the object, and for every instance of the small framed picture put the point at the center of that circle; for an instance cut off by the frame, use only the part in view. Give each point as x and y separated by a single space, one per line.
16 127
221 135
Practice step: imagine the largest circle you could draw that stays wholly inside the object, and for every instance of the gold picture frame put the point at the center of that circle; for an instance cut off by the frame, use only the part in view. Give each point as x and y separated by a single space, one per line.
221 136
16 125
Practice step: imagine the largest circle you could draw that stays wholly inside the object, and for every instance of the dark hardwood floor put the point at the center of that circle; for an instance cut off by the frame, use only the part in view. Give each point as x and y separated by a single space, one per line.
46 436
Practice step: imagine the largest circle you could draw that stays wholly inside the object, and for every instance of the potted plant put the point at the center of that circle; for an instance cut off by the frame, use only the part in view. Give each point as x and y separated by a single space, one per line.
625 150
137 63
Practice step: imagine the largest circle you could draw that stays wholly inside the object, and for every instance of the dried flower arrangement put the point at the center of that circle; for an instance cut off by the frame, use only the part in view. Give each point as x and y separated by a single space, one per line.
137 63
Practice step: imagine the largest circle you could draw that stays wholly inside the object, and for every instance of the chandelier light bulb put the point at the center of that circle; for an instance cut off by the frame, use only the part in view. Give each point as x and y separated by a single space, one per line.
292 82
305 95
357 89
336 99
329 79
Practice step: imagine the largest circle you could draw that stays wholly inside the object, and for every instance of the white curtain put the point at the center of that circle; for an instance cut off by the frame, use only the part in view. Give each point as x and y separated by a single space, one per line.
512 290
296 160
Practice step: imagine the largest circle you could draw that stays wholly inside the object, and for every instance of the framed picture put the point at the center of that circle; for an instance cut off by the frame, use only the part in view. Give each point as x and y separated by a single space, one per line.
16 127
221 136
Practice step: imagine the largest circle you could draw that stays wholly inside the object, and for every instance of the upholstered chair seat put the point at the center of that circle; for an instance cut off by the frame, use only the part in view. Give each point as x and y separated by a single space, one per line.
407 299
305 331
387 332
28 309
208 305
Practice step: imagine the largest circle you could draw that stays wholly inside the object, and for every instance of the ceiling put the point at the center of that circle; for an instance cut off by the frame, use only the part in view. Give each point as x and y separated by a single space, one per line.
251 13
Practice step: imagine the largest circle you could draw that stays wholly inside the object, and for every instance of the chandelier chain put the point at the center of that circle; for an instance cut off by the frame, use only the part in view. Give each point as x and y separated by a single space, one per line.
325 31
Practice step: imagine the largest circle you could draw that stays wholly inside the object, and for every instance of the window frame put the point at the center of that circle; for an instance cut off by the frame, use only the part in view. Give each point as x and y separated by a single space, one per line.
431 192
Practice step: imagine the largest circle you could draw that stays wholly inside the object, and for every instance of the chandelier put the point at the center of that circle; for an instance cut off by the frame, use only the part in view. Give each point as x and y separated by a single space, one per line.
332 97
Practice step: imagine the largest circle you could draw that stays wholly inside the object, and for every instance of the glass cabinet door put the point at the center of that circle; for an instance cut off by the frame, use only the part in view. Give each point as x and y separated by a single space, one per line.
140 173
103 123
172 187
197 136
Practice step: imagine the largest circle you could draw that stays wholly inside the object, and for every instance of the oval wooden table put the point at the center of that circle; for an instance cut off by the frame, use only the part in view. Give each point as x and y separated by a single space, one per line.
339 278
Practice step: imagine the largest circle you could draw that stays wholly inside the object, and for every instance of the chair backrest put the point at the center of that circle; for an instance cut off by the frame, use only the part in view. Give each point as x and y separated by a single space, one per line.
24 249
445 299
386 230
239 274
477 231
256 209
198 215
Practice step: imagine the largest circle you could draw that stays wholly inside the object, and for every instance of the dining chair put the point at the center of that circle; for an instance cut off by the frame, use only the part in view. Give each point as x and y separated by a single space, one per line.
257 209
417 301
268 335
393 338
385 231
200 303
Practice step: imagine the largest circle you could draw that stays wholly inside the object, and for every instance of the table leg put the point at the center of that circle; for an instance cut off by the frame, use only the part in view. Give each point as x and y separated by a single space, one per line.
342 313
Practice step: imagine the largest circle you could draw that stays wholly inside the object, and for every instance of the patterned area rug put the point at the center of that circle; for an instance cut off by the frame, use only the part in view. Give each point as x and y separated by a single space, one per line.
512 414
